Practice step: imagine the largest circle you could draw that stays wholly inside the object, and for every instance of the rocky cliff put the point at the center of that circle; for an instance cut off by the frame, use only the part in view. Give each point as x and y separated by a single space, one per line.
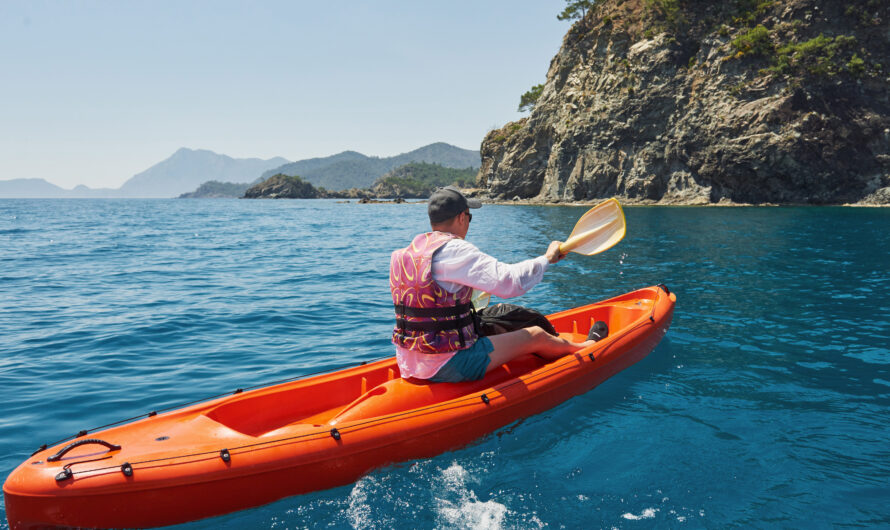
699 102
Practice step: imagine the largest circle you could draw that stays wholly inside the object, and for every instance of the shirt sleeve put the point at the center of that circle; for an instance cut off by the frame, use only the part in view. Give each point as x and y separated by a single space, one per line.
459 263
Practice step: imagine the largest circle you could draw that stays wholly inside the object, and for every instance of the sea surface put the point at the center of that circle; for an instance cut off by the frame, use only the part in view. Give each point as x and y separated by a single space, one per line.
766 405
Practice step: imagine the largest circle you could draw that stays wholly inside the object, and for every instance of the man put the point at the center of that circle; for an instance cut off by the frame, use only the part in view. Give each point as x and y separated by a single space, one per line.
432 282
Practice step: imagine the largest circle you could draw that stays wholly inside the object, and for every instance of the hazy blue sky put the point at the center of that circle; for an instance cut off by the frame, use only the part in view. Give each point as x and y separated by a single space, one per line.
94 92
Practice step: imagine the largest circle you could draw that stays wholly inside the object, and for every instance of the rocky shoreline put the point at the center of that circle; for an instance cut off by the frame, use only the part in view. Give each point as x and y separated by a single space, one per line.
534 201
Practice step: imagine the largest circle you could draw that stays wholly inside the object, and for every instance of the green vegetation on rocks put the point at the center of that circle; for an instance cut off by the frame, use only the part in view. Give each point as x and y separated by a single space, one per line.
419 179
819 56
753 42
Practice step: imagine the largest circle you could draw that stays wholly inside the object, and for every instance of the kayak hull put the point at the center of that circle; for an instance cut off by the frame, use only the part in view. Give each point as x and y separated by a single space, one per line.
313 434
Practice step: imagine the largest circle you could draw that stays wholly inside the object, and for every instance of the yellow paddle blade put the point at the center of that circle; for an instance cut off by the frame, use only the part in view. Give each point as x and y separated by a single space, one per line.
601 228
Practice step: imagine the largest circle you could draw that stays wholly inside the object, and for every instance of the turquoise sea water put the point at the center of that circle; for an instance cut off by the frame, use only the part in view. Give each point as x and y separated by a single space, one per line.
767 404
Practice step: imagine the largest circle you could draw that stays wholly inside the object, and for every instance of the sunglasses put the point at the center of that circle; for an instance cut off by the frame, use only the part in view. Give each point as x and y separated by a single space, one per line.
469 216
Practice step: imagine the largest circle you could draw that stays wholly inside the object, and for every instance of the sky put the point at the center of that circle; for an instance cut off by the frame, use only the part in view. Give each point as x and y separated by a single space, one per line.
95 92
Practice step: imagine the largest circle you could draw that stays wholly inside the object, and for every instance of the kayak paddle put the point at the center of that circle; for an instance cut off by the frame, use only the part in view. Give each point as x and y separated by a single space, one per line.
599 229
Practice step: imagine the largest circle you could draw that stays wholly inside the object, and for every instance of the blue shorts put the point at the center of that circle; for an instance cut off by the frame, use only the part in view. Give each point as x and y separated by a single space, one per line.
466 365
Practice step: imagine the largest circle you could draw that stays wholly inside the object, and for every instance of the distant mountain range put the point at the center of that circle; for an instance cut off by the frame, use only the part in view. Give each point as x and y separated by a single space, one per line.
184 171
187 169
41 189
355 170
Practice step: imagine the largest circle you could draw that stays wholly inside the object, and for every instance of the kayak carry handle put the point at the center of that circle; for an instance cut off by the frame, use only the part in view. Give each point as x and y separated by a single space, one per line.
72 445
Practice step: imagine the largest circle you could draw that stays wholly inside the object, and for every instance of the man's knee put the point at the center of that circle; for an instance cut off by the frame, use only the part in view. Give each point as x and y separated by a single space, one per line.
537 333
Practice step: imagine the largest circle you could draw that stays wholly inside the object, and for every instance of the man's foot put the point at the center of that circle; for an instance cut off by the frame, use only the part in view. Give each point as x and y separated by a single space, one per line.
598 331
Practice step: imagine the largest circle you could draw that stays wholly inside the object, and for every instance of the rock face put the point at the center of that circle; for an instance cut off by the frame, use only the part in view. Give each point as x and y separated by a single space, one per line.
699 102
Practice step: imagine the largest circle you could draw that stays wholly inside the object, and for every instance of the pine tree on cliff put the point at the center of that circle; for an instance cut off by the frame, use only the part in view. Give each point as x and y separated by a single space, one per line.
575 9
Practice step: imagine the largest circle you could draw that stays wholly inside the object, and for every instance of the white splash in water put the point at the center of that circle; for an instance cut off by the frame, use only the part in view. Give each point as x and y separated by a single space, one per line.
359 511
459 507
474 514
648 513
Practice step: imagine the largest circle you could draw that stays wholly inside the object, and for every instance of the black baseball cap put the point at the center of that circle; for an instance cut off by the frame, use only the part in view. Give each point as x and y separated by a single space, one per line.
449 202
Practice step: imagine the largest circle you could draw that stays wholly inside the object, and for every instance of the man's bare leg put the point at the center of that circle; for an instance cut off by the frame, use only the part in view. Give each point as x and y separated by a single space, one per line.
510 345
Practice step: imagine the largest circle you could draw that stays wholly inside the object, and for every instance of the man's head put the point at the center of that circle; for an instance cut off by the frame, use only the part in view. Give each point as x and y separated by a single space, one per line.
449 210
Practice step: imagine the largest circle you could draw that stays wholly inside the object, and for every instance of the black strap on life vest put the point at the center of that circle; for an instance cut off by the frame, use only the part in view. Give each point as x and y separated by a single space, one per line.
455 315
435 325
433 312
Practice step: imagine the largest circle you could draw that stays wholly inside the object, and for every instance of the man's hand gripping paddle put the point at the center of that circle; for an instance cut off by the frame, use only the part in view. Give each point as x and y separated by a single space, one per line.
599 229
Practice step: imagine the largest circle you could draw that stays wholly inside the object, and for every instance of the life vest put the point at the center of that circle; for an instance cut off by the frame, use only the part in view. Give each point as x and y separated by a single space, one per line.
429 319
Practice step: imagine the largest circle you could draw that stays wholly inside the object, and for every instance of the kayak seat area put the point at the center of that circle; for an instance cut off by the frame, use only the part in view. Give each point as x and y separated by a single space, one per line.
255 414
617 316
398 395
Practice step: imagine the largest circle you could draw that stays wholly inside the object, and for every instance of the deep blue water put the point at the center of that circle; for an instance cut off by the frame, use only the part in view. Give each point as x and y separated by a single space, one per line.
768 403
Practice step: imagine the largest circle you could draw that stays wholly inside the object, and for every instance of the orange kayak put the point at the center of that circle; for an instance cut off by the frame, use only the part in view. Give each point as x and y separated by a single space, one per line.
252 448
